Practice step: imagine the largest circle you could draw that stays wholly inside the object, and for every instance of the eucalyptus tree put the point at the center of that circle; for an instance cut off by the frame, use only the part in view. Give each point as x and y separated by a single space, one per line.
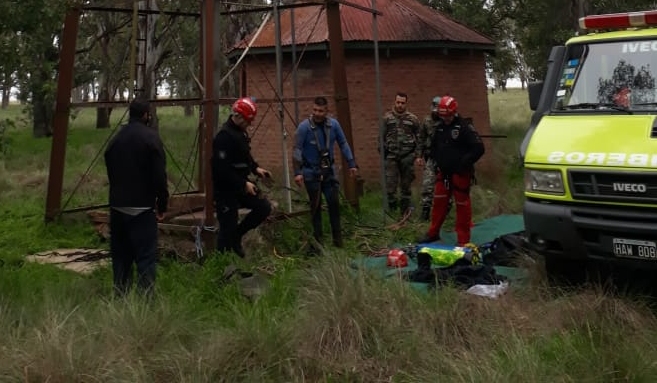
102 55
9 60
494 19
35 27
542 24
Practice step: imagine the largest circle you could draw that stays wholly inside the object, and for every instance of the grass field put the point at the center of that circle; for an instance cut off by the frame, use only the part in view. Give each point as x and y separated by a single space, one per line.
317 321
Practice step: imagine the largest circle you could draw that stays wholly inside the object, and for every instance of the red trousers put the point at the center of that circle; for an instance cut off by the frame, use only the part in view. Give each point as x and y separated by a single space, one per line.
459 187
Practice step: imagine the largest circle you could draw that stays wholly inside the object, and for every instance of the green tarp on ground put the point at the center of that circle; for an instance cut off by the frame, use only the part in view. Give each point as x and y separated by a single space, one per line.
483 232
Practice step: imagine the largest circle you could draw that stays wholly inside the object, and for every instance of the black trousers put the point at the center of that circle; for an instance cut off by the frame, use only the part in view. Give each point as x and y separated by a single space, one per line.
133 240
229 237
329 187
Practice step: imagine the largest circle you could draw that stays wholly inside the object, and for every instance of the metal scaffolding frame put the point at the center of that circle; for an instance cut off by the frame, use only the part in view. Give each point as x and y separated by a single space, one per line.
209 100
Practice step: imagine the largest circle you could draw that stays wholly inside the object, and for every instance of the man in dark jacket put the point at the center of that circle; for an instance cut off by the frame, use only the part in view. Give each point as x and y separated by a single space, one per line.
231 165
138 198
455 148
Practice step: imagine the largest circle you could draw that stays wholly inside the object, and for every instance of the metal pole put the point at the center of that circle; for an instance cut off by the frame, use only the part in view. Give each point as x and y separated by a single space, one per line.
218 62
279 95
208 117
379 107
201 157
62 108
294 68
341 91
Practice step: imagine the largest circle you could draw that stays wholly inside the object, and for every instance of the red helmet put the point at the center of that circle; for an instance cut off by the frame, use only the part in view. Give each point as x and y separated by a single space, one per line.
397 258
246 108
447 106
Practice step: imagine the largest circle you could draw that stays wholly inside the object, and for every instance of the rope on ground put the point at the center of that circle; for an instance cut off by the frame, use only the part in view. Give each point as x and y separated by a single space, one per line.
402 222
198 244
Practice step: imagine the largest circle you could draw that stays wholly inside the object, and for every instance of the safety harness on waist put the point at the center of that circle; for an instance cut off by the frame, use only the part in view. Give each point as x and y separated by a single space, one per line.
325 160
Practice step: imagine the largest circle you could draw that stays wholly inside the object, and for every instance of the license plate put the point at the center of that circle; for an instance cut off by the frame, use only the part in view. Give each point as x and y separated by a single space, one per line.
632 248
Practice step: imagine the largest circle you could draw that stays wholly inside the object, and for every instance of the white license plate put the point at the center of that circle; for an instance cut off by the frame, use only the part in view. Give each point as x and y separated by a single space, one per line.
632 248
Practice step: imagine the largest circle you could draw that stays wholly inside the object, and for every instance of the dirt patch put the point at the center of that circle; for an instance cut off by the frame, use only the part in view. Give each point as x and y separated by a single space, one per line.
79 260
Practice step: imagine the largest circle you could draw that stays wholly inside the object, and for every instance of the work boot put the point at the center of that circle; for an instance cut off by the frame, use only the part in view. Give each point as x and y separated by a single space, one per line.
237 247
428 238
337 241
404 206
426 214
392 207
239 250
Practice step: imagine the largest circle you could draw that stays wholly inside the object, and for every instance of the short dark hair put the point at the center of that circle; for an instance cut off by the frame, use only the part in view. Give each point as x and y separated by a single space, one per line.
321 101
402 94
138 107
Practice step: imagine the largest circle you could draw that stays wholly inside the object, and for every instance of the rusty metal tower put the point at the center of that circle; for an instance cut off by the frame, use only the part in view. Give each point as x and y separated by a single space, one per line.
209 98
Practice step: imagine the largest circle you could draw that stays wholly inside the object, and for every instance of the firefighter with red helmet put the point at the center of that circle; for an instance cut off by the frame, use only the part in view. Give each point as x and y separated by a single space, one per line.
455 148
232 163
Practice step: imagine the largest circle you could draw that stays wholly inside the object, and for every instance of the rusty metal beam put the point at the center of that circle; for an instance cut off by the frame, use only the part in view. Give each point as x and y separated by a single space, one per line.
105 205
209 115
118 103
201 81
184 102
62 109
299 5
271 8
142 11
341 92
362 8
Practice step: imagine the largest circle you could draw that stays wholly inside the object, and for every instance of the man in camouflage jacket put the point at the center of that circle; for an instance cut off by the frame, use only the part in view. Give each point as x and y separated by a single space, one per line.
401 151
427 131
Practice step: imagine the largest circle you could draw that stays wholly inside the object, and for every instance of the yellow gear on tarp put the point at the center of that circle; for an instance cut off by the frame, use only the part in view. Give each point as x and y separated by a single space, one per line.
443 256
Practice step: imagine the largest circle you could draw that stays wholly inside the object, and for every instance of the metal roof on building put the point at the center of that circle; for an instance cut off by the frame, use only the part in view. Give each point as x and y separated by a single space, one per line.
401 21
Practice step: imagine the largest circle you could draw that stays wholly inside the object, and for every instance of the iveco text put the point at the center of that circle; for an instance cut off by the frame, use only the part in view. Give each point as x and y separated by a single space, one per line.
626 187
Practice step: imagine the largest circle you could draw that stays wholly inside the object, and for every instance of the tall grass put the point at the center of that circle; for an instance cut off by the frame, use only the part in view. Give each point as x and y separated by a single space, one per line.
318 319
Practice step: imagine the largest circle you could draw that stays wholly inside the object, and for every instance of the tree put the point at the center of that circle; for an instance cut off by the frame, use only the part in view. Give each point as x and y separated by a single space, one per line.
492 18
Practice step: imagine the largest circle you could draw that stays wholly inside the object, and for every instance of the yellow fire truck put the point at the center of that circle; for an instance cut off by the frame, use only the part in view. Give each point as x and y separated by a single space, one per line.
590 152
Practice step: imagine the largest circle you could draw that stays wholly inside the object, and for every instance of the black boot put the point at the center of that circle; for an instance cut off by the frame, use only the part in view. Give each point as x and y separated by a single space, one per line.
238 249
237 246
392 207
428 239
426 213
404 206
337 241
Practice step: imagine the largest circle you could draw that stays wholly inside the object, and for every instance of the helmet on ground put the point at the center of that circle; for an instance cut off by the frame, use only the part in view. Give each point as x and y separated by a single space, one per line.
246 108
434 104
447 106
397 258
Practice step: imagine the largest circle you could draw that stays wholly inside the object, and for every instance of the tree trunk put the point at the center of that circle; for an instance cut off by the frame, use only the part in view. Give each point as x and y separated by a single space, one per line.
150 56
6 90
85 92
42 119
42 107
5 98
103 113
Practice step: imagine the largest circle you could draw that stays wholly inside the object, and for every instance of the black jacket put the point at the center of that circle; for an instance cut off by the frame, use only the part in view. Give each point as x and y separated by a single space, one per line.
456 147
136 168
231 160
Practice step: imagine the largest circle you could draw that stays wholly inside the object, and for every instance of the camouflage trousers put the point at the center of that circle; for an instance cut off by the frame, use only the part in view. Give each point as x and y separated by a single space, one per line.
399 173
428 184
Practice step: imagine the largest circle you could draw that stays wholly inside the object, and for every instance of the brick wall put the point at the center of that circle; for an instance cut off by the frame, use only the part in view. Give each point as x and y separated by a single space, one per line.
422 75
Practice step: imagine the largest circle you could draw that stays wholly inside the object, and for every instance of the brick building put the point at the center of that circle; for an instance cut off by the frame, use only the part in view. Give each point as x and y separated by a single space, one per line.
422 53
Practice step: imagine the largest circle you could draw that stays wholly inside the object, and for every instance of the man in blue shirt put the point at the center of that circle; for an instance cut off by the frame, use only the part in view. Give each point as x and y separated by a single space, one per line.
313 162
